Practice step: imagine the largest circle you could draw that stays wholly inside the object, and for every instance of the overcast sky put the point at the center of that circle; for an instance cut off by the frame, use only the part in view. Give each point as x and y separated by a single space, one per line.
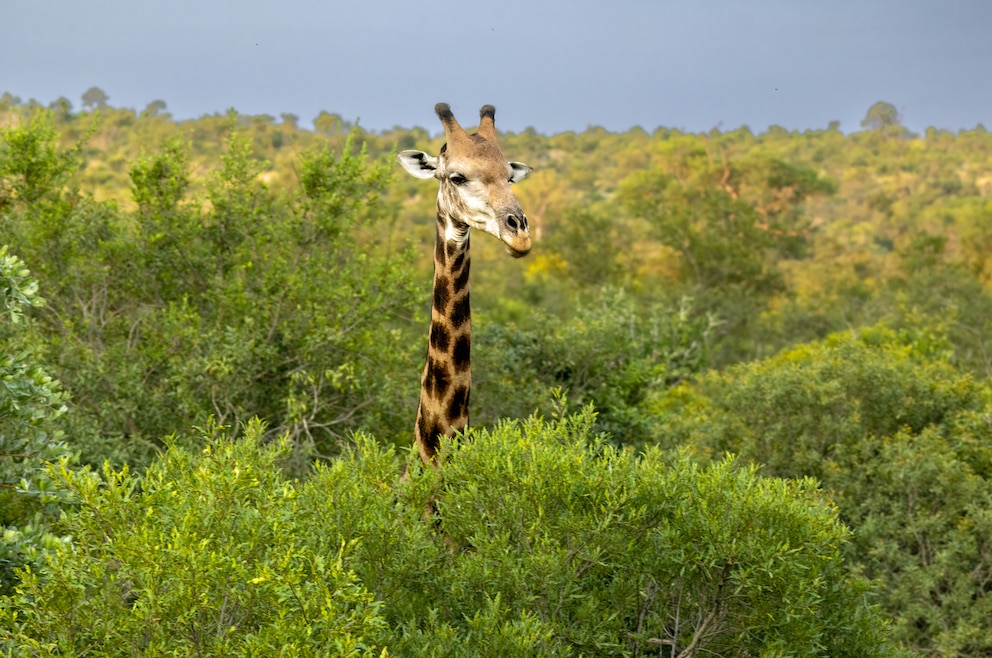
555 65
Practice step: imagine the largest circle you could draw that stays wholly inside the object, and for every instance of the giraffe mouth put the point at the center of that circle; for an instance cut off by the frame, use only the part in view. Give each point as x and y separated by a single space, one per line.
514 234
517 245
517 253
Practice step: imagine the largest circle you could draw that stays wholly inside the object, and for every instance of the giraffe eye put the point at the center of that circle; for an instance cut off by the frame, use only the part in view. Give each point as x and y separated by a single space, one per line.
458 179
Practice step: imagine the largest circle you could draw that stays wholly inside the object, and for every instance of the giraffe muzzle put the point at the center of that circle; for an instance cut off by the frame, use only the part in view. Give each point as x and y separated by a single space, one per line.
515 236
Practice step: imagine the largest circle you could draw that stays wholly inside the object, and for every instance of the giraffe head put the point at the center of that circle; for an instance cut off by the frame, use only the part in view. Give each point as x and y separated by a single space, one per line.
475 181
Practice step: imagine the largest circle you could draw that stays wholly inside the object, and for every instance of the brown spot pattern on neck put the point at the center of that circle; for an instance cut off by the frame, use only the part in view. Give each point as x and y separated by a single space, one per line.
446 381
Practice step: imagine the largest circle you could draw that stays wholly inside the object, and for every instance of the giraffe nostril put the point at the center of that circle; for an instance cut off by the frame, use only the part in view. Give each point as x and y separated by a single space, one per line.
512 222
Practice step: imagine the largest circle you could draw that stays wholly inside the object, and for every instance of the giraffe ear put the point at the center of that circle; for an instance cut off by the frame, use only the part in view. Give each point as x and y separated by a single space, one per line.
418 163
520 171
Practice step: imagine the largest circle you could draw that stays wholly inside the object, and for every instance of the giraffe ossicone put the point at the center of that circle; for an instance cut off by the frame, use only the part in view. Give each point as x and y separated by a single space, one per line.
474 192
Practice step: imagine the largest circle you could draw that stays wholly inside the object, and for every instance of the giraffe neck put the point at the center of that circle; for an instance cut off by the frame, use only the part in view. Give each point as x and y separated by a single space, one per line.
447 378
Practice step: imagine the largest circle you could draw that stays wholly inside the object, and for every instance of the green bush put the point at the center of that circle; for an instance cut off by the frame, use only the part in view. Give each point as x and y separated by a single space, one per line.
794 411
611 554
231 302
548 542
204 555
31 408
923 530
901 441
610 353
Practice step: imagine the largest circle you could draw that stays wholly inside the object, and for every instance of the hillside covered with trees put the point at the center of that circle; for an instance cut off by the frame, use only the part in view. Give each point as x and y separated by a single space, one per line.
735 402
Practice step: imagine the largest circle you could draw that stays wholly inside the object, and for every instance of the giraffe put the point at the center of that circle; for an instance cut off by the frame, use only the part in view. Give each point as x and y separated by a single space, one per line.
474 192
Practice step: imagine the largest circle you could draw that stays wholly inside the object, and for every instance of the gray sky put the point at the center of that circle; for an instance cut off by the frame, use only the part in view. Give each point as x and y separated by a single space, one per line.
555 65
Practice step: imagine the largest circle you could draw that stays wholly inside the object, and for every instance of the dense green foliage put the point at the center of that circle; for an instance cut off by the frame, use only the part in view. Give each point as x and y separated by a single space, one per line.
239 303
900 439
31 408
609 353
200 274
204 555
556 544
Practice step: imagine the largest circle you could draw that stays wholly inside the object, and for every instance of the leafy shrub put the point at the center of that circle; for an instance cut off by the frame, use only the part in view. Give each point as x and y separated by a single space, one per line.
794 411
610 554
923 530
549 542
31 408
609 353
201 556
233 302
31 401
900 439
